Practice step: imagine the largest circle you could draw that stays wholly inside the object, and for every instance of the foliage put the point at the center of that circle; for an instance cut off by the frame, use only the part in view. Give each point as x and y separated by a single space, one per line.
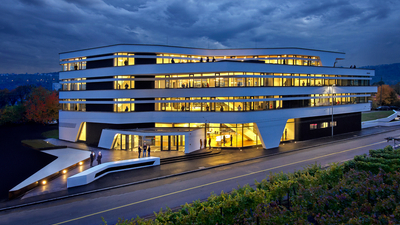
364 190
386 95
42 105
12 114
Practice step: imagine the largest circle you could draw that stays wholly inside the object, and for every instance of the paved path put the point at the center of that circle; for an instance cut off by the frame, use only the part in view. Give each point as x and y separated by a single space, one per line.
143 199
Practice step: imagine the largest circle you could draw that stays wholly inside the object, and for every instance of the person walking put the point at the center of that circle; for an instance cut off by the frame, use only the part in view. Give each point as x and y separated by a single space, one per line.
99 156
209 142
144 149
92 156
139 150
224 139
205 143
148 151
201 144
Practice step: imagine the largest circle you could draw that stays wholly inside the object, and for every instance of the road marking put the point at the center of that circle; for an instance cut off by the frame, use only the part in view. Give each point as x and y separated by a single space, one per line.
215 182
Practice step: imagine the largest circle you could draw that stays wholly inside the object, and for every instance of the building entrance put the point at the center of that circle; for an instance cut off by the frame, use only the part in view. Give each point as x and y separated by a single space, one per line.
170 143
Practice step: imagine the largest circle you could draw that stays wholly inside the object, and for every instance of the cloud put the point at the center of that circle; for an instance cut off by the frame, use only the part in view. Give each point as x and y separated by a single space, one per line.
33 32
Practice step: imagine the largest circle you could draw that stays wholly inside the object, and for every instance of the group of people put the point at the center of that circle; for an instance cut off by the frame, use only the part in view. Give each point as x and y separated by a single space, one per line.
205 143
354 67
145 149
93 157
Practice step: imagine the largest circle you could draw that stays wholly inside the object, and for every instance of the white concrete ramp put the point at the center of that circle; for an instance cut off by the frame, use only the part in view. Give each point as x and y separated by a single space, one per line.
98 171
66 157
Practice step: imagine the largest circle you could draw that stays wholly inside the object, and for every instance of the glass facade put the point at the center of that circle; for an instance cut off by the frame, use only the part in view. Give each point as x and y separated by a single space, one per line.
156 143
224 134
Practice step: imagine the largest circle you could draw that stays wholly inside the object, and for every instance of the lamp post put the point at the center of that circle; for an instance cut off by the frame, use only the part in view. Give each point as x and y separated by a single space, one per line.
333 85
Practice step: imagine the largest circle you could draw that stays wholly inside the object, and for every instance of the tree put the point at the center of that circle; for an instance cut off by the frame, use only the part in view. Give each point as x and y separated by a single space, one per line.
386 95
42 105
22 92
4 97
12 114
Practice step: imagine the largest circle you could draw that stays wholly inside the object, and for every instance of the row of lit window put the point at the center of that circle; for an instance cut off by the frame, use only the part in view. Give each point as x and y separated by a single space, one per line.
129 60
322 125
225 106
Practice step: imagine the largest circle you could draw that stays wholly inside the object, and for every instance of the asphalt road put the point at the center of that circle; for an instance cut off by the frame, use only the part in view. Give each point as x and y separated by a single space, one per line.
144 199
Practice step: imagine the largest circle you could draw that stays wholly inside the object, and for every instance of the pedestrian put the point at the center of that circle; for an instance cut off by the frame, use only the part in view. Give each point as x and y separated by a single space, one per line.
139 150
205 143
172 60
231 140
224 140
144 149
201 143
351 66
209 142
148 151
239 108
208 108
99 156
92 156
354 66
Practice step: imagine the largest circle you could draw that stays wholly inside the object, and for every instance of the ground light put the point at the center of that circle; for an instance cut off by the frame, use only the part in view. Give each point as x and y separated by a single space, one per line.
44 182
64 171
80 163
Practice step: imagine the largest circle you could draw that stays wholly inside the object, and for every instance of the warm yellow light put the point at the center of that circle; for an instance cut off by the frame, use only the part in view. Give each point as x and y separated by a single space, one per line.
64 171
80 163
44 182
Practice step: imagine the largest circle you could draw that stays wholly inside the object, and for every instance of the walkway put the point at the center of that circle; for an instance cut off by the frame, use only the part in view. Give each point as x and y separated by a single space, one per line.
226 156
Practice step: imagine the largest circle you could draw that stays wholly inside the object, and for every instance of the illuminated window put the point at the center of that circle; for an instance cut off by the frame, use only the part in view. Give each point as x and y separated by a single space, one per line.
313 126
333 124
82 135
324 125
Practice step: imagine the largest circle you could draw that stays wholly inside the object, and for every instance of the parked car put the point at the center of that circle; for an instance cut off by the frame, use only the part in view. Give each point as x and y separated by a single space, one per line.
392 107
383 108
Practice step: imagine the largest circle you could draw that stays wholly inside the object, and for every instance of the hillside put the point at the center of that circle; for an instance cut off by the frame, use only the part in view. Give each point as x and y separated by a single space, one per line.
390 73
11 81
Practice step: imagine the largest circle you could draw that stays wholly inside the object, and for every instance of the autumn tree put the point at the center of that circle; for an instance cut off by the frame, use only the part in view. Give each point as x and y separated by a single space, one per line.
42 105
386 95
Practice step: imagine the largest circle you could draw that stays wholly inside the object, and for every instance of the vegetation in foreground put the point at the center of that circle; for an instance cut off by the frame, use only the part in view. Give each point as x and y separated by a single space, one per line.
375 115
364 190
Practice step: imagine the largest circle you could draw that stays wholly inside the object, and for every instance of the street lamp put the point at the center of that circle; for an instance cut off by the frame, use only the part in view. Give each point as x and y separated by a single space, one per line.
333 85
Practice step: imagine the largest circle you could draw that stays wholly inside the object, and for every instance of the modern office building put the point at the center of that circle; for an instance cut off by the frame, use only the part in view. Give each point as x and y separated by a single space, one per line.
177 98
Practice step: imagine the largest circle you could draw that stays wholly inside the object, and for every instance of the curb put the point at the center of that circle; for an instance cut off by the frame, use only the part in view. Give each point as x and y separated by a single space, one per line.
182 173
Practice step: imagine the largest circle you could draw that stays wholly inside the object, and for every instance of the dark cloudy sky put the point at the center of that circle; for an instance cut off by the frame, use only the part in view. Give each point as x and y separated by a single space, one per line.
33 32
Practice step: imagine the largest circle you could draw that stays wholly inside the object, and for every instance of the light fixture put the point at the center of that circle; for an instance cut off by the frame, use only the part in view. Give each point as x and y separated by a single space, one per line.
44 182
81 163
64 171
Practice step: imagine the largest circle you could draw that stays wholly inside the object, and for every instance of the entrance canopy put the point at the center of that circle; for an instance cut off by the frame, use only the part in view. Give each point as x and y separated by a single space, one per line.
159 138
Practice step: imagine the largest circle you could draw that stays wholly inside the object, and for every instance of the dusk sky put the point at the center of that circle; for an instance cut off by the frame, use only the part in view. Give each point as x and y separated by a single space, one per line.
33 32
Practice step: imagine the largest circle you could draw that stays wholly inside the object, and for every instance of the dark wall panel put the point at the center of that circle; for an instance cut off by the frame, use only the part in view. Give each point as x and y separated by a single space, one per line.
144 84
99 107
345 123
93 130
100 63
141 61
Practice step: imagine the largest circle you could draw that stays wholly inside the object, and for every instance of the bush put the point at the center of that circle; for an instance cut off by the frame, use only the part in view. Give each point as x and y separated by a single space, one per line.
361 191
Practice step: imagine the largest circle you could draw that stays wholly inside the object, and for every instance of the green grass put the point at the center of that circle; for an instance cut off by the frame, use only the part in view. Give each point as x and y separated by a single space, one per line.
37 143
375 115
51 134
